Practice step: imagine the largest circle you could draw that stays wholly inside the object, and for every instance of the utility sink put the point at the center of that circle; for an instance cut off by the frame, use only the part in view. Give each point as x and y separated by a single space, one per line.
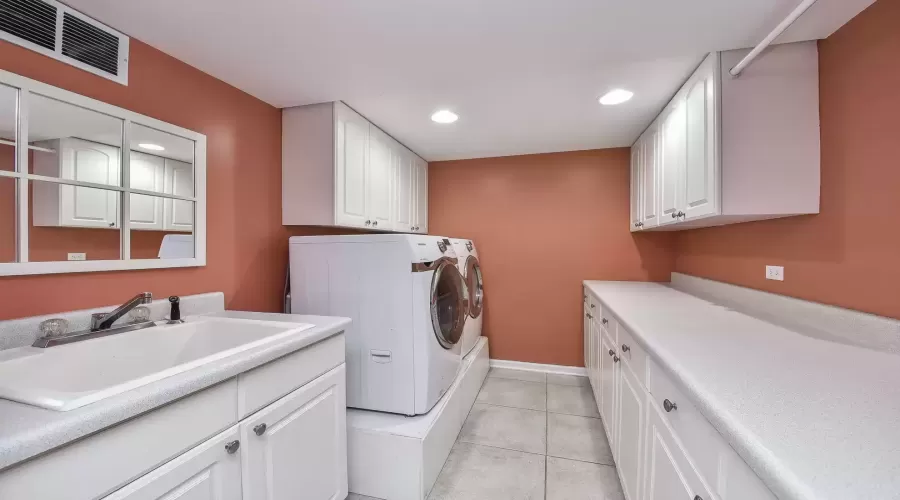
70 376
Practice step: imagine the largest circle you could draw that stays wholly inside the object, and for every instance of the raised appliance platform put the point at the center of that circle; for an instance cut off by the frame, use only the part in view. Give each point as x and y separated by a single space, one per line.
395 457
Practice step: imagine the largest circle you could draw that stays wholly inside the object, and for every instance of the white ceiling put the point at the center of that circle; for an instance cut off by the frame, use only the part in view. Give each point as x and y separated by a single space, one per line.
524 76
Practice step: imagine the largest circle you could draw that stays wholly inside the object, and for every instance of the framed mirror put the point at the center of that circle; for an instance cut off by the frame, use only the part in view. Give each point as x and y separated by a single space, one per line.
87 186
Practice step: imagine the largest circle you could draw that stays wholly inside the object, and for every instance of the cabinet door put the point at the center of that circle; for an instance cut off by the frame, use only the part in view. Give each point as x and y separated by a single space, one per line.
637 188
379 179
207 472
350 167
630 430
701 175
608 368
404 177
421 218
670 475
586 330
649 172
148 174
673 157
297 446
89 162
179 214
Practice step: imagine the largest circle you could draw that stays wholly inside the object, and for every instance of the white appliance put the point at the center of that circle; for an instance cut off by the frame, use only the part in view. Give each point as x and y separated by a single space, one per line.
470 268
407 302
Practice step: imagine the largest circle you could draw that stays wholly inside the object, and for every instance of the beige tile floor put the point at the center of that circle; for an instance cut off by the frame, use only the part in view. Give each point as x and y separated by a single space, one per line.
529 436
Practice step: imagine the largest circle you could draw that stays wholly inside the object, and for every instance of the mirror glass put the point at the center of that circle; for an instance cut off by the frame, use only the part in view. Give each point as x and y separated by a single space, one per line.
8 103
162 228
7 219
73 223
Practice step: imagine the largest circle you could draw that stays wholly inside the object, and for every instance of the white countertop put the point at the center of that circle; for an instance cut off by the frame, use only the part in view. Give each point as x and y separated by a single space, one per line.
27 431
815 419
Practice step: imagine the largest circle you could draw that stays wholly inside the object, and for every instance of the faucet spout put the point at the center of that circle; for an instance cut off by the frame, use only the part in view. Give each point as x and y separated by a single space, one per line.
105 321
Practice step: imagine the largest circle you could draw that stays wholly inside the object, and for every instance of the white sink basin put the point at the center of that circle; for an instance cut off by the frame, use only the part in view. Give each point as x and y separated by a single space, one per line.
70 376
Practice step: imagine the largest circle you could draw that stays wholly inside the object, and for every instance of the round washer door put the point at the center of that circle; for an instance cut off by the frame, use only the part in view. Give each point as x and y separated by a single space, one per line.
475 284
449 304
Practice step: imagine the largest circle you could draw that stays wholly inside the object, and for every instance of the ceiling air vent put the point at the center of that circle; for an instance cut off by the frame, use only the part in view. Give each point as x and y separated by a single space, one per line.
58 31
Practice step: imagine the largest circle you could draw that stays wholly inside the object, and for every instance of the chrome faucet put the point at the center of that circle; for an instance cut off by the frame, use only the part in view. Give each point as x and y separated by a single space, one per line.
103 321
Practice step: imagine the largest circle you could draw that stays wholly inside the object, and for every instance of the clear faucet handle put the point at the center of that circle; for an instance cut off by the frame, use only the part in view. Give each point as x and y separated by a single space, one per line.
54 327
140 314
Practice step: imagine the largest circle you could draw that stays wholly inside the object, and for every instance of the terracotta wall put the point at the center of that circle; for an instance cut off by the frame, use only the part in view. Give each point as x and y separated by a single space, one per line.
542 224
848 254
247 245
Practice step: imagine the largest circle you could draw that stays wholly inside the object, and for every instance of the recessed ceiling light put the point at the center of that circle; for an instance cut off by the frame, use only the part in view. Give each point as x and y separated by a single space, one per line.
151 147
616 96
444 116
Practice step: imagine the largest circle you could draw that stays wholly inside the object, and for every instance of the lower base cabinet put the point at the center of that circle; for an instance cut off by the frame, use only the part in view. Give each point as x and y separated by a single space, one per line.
632 418
669 474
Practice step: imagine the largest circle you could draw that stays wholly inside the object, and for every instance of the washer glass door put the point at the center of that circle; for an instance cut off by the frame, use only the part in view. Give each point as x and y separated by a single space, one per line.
475 285
449 304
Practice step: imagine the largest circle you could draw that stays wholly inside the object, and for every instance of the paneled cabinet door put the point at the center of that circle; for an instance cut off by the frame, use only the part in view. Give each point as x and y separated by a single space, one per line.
350 167
649 172
637 187
404 177
631 406
421 218
669 474
179 214
596 360
207 472
586 330
379 179
701 168
297 446
673 156
608 373
89 162
148 174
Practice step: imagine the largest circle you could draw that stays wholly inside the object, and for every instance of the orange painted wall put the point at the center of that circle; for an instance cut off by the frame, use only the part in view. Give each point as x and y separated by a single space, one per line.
848 254
247 245
542 224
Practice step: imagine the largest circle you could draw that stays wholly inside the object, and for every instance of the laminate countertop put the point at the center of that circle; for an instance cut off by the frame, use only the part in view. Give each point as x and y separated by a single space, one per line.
27 431
815 419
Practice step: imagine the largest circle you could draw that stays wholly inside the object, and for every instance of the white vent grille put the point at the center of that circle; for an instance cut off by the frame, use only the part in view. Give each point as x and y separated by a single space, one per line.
56 30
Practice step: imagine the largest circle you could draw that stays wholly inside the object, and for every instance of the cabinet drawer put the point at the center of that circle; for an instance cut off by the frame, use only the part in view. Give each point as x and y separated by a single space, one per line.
633 354
271 381
97 465
608 323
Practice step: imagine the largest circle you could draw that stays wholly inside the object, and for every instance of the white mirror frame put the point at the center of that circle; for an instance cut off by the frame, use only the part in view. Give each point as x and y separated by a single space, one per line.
25 87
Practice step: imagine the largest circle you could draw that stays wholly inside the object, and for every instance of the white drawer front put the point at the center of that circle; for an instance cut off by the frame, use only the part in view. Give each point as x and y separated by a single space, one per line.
633 354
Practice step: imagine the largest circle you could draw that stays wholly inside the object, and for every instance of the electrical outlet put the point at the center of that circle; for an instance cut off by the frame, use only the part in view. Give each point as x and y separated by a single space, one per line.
77 256
775 273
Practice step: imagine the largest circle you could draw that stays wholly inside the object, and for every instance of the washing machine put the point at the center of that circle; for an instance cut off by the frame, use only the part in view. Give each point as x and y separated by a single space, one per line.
470 269
408 304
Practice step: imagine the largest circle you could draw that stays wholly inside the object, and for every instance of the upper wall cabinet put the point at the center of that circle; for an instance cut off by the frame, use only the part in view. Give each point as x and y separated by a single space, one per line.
727 149
338 169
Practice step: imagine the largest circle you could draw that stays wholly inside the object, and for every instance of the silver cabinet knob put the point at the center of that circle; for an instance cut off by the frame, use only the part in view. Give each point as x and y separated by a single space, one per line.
681 214
636 224
612 353
669 406
232 447
593 306
589 315
625 348
368 223
674 215
698 497
112 224
375 223
615 359
604 321
260 429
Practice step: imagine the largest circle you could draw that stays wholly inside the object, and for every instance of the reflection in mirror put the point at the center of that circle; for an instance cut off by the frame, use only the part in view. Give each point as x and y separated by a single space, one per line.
162 228
161 162
74 143
7 219
8 103
73 223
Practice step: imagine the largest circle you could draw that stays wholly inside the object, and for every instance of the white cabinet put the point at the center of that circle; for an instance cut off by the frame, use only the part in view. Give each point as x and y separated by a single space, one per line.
147 174
630 431
178 215
338 169
298 444
670 476
729 149
207 472
608 375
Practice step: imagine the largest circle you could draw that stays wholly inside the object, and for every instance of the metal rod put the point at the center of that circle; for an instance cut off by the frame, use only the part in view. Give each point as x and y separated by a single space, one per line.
788 21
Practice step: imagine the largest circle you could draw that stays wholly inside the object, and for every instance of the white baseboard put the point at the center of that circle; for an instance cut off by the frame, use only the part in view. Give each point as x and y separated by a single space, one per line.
538 367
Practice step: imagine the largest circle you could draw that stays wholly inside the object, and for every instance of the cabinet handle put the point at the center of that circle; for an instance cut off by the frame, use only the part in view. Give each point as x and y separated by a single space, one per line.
681 214
625 348
112 224
612 353
260 429
698 497
636 224
674 215
669 406
375 223
604 321
232 447
589 315
615 359
593 306
368 223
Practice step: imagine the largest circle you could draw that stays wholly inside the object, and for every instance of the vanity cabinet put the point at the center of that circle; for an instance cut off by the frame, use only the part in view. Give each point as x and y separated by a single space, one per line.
339 169
664 449
732 149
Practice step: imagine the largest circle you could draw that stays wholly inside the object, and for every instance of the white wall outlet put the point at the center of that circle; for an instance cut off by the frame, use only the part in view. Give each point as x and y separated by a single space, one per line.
77 256
775 273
